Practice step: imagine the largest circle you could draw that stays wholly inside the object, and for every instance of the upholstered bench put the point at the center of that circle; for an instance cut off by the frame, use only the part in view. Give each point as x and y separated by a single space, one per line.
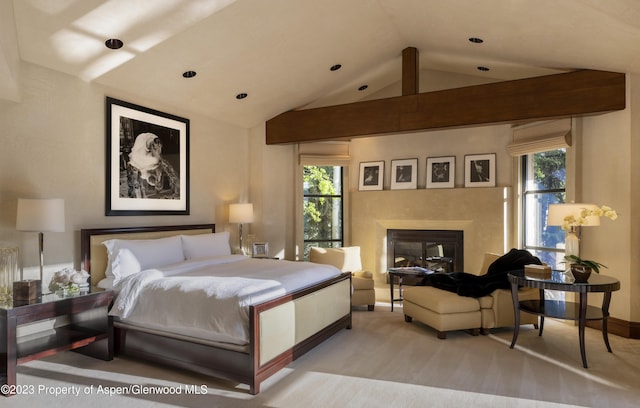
444 311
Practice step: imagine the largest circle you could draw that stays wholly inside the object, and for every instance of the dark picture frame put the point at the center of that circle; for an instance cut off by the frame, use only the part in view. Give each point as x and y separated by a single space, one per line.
371 176
441 172
480 170
404 174
147 161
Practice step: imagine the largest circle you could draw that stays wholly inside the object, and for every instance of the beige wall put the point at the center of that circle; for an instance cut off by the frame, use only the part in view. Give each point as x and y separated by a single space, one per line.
53 145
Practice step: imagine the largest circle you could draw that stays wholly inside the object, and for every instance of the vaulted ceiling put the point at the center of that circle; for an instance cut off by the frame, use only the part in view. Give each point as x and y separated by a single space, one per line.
279 52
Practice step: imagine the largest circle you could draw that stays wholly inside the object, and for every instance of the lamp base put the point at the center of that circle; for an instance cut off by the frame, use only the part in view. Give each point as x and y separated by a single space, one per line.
27 290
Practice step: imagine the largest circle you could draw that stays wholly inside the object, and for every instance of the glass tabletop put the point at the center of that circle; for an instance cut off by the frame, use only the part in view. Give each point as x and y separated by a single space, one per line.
49 297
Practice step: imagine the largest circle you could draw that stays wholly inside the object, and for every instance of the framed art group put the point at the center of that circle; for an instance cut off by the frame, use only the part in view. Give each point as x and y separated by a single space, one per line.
479 171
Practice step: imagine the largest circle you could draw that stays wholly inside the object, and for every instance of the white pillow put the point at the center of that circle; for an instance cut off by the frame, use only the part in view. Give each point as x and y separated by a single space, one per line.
206 245
129 256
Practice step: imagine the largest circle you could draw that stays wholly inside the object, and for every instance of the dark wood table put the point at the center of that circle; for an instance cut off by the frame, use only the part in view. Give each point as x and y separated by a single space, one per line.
401 273
89 330
561 309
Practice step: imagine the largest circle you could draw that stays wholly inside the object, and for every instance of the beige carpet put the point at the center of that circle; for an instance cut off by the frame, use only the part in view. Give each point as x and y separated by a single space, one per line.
381 362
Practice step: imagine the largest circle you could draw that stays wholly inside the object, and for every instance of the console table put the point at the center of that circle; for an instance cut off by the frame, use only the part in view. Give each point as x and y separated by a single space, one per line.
561 309
89 329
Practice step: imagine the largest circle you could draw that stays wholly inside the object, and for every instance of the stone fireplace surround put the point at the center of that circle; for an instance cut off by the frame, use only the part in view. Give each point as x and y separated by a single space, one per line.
481 213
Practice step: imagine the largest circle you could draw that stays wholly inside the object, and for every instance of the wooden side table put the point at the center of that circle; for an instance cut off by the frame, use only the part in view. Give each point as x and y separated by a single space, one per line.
400 273
89 330
564 310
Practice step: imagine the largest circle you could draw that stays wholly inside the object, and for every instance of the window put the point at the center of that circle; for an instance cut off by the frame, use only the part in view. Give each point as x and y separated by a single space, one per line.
323 207
544 182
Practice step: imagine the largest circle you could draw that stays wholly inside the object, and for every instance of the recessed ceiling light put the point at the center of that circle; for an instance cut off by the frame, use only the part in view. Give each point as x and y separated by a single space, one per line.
363 87
113 43
476 40
335 67
481 68
241 95
189 74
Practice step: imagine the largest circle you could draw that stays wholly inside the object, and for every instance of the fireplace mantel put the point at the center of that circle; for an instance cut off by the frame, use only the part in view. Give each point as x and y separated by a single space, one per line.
482 214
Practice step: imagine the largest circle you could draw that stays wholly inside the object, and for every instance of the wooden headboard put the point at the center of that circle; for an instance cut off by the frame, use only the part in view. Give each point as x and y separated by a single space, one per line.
94 254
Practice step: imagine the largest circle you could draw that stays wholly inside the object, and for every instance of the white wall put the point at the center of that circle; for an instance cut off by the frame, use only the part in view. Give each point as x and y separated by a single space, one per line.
53 145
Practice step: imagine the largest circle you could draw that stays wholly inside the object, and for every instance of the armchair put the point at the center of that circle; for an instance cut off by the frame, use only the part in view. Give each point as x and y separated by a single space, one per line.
347 259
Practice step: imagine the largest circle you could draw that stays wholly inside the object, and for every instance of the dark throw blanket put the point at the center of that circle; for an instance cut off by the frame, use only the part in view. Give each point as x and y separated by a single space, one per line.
466 284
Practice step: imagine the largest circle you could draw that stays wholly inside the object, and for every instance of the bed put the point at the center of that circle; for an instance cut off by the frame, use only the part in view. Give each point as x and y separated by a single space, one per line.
280 329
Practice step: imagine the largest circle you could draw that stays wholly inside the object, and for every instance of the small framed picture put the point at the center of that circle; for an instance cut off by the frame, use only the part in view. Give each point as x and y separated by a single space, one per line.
441 172
404 174
371 176
480 170
260 250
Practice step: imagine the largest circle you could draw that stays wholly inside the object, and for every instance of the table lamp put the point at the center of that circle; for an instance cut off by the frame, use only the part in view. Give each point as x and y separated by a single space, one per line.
566 216
40 215
241 213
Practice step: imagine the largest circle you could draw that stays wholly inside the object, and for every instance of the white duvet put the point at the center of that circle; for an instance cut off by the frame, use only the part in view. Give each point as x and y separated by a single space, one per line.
209 298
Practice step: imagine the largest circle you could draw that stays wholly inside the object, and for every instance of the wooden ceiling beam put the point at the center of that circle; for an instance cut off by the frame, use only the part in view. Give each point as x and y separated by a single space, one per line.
576 93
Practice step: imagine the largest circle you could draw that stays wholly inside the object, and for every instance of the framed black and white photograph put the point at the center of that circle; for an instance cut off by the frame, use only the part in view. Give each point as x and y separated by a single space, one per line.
404 174
260 249
480 170
147 161
371 176
441 172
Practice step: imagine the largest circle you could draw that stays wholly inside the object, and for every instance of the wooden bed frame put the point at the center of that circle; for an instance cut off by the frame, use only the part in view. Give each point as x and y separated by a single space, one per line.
280 330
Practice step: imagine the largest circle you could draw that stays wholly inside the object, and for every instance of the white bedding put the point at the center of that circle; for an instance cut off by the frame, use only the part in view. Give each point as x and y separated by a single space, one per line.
209 298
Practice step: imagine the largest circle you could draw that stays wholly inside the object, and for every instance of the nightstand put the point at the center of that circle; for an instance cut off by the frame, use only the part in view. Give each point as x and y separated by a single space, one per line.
87 329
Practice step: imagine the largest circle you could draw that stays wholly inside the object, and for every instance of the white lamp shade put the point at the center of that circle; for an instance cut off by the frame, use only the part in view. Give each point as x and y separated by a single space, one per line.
241 213
558 212
40 215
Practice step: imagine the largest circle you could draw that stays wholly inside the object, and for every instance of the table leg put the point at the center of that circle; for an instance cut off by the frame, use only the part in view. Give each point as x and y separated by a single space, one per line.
8 352
516 313
391 279
582 322
605 317
541 317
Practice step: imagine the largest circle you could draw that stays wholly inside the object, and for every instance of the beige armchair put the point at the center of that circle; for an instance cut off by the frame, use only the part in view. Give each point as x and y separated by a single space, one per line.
347 259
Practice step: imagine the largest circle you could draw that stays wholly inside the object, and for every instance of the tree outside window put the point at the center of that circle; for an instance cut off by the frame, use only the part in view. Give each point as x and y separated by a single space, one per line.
323 202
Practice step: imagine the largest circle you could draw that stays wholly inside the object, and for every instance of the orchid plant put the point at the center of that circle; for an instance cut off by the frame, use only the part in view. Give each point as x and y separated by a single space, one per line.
572 221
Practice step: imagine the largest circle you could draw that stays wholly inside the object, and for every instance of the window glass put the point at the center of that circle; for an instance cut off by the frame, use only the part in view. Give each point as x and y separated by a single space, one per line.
544 182
323 207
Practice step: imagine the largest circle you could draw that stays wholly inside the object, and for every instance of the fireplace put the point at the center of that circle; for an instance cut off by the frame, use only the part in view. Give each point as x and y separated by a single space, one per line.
439 250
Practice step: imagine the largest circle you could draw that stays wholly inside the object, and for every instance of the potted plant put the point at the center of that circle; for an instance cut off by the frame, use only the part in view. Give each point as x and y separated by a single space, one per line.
581 268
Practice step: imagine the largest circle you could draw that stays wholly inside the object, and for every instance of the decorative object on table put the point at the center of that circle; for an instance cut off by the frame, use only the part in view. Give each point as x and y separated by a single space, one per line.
480 170
371 176
260 249
40 215
69 282
240 214
27 290
534 271
571 216
8 272
404 174
147 161
441 172
581 268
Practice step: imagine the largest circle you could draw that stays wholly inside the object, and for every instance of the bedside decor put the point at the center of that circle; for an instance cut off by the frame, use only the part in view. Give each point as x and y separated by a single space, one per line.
260 250
68 282
239 214
8 272
46 215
